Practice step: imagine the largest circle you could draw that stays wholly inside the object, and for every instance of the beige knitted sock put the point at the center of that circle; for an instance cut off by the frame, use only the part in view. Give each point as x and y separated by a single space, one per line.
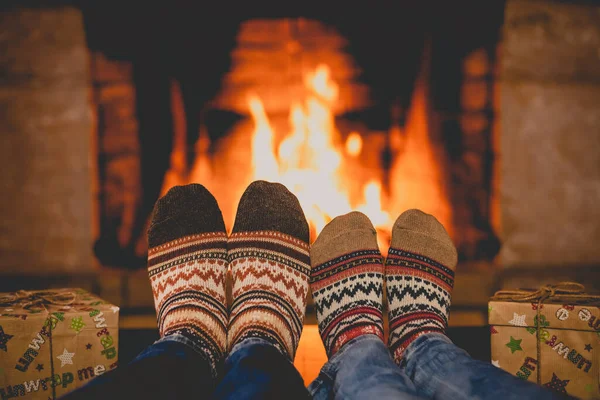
419 277
347 281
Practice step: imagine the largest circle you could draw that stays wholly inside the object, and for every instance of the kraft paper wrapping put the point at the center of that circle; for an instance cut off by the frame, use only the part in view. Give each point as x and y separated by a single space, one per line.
550 336
54 341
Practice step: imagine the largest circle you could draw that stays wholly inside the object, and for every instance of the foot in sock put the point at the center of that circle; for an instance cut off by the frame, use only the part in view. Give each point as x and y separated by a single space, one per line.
347 281
269 258
419 273
187 263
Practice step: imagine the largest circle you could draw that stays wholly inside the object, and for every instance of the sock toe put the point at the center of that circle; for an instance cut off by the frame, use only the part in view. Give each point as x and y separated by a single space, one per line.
184 211
342 235
267 206
423 234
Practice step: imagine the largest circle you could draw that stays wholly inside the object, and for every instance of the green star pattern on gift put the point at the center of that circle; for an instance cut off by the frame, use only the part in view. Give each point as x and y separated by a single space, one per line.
514 344
77 324
543 323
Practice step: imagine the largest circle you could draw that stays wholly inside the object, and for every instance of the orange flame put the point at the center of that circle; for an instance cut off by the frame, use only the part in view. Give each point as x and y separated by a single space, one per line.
309 157
315 163
354 144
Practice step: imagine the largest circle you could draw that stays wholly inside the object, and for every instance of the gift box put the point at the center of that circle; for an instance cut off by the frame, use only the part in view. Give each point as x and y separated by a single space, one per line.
54 341
550 336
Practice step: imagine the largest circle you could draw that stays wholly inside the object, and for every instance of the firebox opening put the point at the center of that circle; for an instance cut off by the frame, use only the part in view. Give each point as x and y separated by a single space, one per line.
379 111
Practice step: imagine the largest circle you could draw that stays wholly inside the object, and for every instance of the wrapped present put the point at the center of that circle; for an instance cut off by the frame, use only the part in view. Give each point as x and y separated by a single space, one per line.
54 341
550 336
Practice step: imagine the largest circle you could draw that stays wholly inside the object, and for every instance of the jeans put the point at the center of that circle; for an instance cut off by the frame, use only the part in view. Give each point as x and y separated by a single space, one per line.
433 367
362 369
172 369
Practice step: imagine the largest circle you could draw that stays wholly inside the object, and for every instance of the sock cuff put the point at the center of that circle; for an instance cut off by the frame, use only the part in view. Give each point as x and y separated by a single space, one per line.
212 355
400 346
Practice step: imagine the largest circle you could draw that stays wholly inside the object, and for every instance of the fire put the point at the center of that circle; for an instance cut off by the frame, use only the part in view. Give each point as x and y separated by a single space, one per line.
331 175
353 144
308 159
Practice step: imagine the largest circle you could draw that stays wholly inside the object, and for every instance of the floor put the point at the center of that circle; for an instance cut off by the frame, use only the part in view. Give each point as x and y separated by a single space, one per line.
311 354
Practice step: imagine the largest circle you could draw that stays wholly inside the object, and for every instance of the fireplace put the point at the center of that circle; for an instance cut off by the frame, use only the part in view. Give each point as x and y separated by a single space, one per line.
484 115
380 111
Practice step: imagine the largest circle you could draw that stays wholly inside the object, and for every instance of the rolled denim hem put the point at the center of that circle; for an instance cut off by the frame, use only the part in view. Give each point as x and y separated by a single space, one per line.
202 352
177 337
440 369
256 341
425 365
419 343
329 370
333 361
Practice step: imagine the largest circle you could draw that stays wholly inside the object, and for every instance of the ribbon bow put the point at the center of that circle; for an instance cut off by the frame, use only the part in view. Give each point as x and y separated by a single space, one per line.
39 299
570 290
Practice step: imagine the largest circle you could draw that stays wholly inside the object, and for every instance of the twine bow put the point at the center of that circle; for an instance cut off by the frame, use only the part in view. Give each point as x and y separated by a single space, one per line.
568 290
28 299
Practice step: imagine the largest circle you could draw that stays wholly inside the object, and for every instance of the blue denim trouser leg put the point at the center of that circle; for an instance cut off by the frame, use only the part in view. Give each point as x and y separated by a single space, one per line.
170 368
441 370
255 369
362 369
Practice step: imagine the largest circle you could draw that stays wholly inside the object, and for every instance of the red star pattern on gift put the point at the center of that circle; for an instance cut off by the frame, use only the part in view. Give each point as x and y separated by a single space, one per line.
535 306
4 338
568 307
557 384
493 330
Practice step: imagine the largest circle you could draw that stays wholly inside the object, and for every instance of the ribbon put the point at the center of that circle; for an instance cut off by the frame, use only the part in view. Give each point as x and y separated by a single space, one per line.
571 292
38 299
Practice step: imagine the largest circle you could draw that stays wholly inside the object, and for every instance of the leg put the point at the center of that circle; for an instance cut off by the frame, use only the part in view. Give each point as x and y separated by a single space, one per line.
347 286
169 369
440 370
362 369
420 276
255 369
187 262
268 254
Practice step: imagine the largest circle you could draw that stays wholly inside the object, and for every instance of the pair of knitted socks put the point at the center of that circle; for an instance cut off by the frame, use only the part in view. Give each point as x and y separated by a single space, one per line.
268 253
348 274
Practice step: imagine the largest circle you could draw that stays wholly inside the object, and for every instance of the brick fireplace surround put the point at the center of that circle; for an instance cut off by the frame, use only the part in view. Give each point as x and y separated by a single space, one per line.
547 157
